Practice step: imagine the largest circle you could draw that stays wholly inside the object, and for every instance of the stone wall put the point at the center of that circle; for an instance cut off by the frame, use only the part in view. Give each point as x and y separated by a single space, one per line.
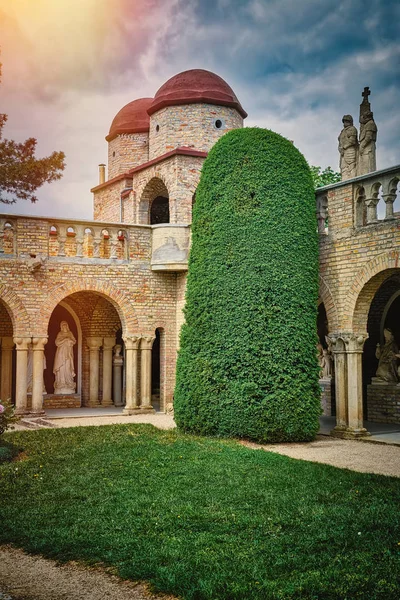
190 125
383 403
107 201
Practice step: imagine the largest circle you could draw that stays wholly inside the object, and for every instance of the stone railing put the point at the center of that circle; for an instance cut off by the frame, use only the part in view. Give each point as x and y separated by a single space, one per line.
46 238
373 198
38 239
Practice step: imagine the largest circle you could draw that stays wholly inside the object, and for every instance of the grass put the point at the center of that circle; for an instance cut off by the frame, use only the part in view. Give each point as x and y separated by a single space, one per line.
202 518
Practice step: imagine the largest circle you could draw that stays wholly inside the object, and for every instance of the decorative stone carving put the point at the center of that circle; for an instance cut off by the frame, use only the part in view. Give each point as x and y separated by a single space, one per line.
64 361
348 146
388 355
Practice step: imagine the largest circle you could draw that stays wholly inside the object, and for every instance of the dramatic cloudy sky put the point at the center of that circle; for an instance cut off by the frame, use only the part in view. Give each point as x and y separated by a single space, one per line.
296 66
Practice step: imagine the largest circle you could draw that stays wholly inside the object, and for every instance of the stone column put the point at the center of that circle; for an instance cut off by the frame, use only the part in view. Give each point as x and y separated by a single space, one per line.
21 399
108 345
94 344
354 349
389 201
118 361
131 365
372 211
145 374
339 355
7 345
38 344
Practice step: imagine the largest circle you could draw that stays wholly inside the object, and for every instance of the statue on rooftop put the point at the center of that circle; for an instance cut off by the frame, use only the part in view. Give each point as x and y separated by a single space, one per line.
348 148
368 134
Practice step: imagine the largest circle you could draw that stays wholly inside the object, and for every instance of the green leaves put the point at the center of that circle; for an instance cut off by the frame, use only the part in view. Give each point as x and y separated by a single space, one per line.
247 365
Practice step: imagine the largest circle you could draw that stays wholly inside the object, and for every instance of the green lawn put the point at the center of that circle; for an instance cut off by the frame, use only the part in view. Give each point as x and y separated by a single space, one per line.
202 518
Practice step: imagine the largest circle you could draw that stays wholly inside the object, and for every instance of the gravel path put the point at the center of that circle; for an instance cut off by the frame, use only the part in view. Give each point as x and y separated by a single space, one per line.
360 456
25 577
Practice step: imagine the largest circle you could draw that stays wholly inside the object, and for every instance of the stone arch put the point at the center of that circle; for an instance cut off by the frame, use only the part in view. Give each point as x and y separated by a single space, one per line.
366 283
325 296
155 187
17 311
116 297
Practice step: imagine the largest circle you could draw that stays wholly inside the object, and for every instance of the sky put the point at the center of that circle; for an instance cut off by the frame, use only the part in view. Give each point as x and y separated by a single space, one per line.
297 66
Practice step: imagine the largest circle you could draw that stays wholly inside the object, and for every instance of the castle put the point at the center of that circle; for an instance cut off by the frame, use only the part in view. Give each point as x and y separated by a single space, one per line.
90 311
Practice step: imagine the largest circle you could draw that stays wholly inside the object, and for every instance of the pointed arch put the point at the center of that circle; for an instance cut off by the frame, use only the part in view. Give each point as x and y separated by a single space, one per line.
326 297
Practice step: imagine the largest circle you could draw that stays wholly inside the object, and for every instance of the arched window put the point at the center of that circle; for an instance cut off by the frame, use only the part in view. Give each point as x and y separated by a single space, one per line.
159 211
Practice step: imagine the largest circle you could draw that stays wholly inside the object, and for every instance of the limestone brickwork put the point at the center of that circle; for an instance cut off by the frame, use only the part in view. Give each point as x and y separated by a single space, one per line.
127 151
191 126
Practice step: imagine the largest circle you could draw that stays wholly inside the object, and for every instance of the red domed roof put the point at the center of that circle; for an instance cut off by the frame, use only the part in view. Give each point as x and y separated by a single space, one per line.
132 118
196 85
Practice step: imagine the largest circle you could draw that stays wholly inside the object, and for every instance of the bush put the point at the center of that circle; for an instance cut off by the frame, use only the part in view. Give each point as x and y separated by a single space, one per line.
247 364
7 416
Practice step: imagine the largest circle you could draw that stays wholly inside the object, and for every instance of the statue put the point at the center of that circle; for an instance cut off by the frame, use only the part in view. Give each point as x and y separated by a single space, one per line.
388 355
117 372
325 362
64 361
367 148
348 147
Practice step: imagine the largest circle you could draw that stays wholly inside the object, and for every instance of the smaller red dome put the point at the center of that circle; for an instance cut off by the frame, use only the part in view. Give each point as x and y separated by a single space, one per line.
195 86
132 118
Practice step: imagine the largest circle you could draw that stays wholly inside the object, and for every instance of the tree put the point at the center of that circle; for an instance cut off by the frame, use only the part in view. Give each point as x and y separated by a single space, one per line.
21 173
324 177
247 363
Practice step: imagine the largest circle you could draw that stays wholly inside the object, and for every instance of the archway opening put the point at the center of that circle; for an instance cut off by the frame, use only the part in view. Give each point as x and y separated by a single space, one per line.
156 370
159 211
7 355
381 368
83 331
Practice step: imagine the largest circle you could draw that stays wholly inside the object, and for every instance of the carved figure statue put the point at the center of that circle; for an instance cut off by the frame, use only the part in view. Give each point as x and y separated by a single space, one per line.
348 146
64 361
30 370
326 364
367 148
388 355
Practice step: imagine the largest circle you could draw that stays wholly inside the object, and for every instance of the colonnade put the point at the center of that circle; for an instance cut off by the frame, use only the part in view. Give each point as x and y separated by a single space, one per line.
347 350
137 348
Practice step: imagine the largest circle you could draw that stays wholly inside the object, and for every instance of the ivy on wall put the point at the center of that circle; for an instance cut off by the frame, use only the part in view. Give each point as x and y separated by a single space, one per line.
247 363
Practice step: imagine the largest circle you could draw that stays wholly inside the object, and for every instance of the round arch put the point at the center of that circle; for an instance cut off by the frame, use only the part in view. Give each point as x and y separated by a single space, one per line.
116 297
156 187
16 310
366 283
326 297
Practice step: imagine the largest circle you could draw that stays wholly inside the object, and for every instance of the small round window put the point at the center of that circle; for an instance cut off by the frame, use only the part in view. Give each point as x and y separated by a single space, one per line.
219 124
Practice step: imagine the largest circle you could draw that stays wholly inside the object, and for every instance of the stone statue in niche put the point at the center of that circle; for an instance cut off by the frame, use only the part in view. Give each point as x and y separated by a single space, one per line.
348 147
118 361
367 148
325 362
30 371
387 356
64 361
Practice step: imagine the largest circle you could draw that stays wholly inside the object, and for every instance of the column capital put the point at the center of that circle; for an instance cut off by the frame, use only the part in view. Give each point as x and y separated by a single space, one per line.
131 342
347 341
147 342
372 201
94 343
39 343
7 343
22 343
108 343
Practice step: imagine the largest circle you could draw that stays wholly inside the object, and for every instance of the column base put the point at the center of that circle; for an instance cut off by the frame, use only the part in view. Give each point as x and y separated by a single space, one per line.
93 405
107 403
33 415
131 411
349 433
147 410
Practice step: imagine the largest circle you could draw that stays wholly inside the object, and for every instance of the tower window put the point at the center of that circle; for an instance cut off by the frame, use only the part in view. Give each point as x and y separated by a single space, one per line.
219 124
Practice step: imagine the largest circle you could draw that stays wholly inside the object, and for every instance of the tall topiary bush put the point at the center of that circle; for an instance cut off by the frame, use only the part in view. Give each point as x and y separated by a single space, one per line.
247 363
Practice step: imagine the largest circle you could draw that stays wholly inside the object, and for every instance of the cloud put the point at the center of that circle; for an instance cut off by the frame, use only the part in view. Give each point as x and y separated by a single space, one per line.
70 65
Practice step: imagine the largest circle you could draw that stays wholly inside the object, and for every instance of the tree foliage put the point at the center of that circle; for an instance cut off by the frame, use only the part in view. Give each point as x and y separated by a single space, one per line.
247 363
324 177
21 173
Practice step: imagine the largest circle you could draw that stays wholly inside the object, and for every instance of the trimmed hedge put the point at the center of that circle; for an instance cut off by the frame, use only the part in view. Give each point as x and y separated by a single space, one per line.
247 364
